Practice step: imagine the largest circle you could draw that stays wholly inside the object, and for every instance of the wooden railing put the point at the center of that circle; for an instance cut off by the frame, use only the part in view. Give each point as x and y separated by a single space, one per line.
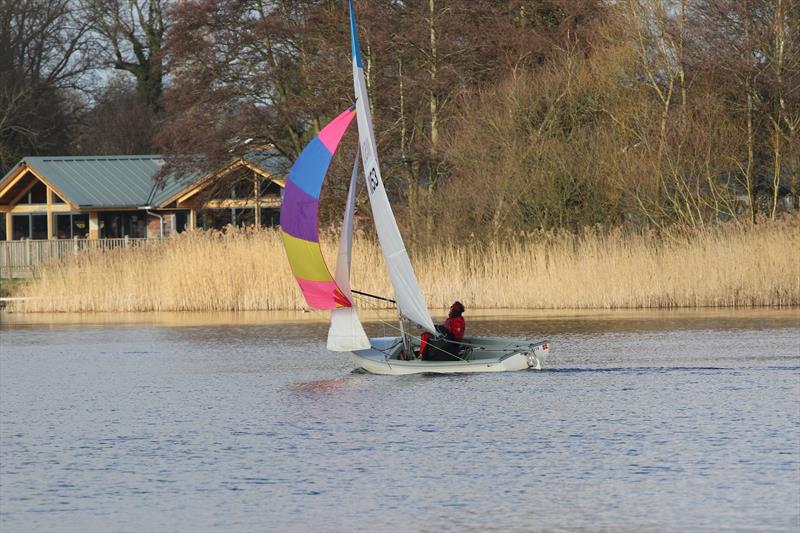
20 259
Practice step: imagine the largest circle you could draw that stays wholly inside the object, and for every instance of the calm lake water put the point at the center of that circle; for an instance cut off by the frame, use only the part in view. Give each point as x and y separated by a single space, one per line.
658 421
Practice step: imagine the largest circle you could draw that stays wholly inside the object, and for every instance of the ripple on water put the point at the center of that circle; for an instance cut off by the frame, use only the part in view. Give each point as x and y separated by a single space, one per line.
690 423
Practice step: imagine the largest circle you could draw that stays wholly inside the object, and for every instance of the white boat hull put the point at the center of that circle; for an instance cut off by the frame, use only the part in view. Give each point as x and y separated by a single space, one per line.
488 354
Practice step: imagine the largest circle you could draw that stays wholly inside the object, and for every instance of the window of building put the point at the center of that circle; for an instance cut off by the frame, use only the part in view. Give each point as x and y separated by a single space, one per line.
70 225
21 227
181 221
38 226
35 195
29 227
270 188
80 225
118 224
238 186
243 217
64 226
270 217
2 226
57 199
214 218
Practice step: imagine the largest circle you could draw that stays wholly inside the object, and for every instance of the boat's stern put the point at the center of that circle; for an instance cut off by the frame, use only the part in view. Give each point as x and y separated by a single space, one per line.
537 354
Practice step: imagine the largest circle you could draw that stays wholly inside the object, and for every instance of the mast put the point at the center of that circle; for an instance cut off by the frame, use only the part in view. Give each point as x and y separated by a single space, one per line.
410 301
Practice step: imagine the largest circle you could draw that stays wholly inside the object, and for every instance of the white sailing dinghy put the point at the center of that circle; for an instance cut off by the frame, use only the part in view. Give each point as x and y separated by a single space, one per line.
322 290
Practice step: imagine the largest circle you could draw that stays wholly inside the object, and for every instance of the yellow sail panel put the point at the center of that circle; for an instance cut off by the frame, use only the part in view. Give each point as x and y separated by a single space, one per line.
305 258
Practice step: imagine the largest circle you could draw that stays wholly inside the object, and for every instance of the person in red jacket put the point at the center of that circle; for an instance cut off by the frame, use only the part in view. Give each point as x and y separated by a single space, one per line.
445 347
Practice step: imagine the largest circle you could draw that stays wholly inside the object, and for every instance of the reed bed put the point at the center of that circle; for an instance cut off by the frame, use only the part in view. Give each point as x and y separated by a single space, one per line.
241 270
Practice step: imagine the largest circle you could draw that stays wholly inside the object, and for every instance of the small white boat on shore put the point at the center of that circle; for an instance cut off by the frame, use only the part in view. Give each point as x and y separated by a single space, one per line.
323 290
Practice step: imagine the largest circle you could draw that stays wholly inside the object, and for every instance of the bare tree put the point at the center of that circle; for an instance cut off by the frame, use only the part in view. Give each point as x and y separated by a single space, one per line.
750 49
782 50
119 122
43 54
431 53
251 69
132 34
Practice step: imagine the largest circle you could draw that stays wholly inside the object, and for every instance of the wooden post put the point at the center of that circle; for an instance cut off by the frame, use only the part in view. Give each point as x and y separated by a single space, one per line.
256 187
94 226
49 214
192 219
9 232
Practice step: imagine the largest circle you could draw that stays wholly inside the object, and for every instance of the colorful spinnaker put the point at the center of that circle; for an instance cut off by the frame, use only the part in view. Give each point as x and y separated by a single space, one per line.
299 210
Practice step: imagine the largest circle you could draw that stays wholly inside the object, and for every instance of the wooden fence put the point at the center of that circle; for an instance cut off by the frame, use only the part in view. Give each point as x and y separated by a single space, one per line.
20 259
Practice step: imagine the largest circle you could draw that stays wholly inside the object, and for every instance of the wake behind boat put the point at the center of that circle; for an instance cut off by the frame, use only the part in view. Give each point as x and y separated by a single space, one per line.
323 290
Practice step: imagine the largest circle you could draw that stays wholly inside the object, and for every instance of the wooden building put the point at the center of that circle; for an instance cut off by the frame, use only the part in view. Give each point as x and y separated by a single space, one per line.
117 196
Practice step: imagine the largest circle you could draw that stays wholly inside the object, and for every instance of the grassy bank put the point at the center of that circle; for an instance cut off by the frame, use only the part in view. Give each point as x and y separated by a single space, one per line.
248 270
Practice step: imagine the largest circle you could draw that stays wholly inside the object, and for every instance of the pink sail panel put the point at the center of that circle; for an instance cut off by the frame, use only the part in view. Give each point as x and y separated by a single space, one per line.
323 294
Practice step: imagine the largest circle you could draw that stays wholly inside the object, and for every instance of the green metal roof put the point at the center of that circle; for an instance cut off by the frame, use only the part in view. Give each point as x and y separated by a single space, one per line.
172 185
107 181
125 181
270 161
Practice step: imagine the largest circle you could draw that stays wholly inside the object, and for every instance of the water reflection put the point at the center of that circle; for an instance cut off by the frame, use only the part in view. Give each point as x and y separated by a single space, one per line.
489 321
320 386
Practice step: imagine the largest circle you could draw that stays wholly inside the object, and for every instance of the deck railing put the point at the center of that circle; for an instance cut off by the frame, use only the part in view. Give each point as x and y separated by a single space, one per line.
20 259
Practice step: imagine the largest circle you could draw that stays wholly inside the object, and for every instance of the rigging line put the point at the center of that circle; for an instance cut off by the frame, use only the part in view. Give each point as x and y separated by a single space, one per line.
420 339
353 291
397 328
372 296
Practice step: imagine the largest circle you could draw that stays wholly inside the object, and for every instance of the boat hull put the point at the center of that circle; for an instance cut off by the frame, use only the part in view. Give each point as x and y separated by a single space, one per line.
489 354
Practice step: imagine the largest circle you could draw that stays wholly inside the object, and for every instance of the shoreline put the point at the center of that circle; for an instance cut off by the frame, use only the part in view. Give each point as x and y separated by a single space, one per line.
371 316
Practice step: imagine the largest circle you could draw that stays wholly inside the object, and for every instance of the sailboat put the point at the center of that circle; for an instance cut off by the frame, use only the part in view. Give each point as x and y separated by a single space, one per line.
394 355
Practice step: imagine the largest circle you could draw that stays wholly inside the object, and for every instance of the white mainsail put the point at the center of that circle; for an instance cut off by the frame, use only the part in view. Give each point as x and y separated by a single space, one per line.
410 301
346 332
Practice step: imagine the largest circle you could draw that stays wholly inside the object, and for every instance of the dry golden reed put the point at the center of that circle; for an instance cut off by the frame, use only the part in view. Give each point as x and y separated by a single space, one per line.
247 270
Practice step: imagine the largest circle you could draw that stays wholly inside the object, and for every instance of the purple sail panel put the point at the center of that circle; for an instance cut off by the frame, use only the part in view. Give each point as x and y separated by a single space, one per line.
299 213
